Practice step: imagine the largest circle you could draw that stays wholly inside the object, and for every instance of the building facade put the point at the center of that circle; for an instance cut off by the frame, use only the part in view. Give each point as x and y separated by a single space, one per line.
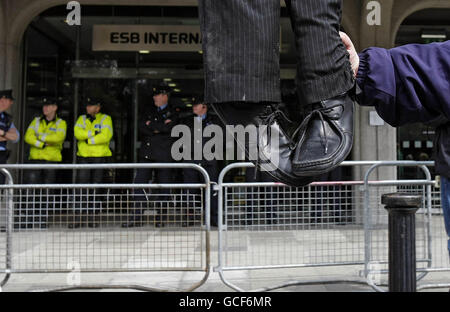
40 54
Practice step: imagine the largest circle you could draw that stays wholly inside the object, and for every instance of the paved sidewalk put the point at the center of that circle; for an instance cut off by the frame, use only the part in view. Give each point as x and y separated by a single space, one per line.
115 248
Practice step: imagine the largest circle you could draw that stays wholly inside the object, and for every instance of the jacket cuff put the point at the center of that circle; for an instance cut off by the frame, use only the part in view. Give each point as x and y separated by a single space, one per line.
42 137
90 134
39 144
90 141
363 69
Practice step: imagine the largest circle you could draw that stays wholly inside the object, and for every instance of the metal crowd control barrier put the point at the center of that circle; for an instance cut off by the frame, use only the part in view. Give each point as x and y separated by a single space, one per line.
106 228
339 227
376 221
336 229
432 254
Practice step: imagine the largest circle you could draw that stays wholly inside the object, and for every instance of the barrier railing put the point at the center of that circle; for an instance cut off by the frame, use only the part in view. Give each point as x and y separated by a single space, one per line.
336 229
93 228
376 221
327 224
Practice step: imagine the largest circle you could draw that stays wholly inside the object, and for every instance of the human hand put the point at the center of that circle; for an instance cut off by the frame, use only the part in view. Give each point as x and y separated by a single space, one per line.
148 123
2 132
354 57
167 121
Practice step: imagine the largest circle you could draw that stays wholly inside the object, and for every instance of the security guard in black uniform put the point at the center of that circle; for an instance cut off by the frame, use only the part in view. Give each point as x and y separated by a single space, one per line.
8 133
192 176
155 128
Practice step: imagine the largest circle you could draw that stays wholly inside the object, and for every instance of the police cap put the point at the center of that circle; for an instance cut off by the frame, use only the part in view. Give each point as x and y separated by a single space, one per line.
161 89
198 99
93 101
7 94
48 101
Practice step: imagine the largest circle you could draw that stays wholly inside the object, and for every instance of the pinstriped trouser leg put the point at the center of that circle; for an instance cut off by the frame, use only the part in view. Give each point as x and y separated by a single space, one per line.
241 50
241 40
323 66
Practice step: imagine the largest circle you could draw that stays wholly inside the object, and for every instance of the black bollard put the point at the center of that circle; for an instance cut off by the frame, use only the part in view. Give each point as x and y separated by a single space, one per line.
402 240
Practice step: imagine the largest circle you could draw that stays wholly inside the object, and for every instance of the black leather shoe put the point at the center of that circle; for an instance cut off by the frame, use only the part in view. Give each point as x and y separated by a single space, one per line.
134 222
325 137
187 223
93 221
131 224
276 159
75 225
160 224
161 221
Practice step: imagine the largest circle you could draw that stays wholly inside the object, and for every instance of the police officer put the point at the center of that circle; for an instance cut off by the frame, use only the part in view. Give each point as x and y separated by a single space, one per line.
155 128
8 133
201 119
93 132
45 136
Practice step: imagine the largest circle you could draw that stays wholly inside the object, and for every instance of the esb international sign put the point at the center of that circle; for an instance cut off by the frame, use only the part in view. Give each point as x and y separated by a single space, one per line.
184 38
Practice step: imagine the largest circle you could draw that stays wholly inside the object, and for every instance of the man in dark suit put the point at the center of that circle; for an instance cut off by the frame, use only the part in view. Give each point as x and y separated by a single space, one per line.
241 44
155 126
204 119
8 132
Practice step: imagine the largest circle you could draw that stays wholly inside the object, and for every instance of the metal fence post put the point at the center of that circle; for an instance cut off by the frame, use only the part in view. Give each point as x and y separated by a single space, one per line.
402 240
194 256
9 225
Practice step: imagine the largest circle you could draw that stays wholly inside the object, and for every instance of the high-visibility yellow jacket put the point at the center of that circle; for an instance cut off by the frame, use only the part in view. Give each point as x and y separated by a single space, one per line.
46 138
94 136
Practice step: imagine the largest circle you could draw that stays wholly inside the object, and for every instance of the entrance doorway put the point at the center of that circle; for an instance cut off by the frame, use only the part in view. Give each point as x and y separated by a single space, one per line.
59 62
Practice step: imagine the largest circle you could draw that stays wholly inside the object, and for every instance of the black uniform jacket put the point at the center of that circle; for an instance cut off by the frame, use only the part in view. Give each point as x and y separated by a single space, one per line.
156 140
210 119
5 125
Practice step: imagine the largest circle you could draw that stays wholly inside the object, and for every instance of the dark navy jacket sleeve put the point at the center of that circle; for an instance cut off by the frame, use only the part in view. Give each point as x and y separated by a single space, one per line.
406 84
